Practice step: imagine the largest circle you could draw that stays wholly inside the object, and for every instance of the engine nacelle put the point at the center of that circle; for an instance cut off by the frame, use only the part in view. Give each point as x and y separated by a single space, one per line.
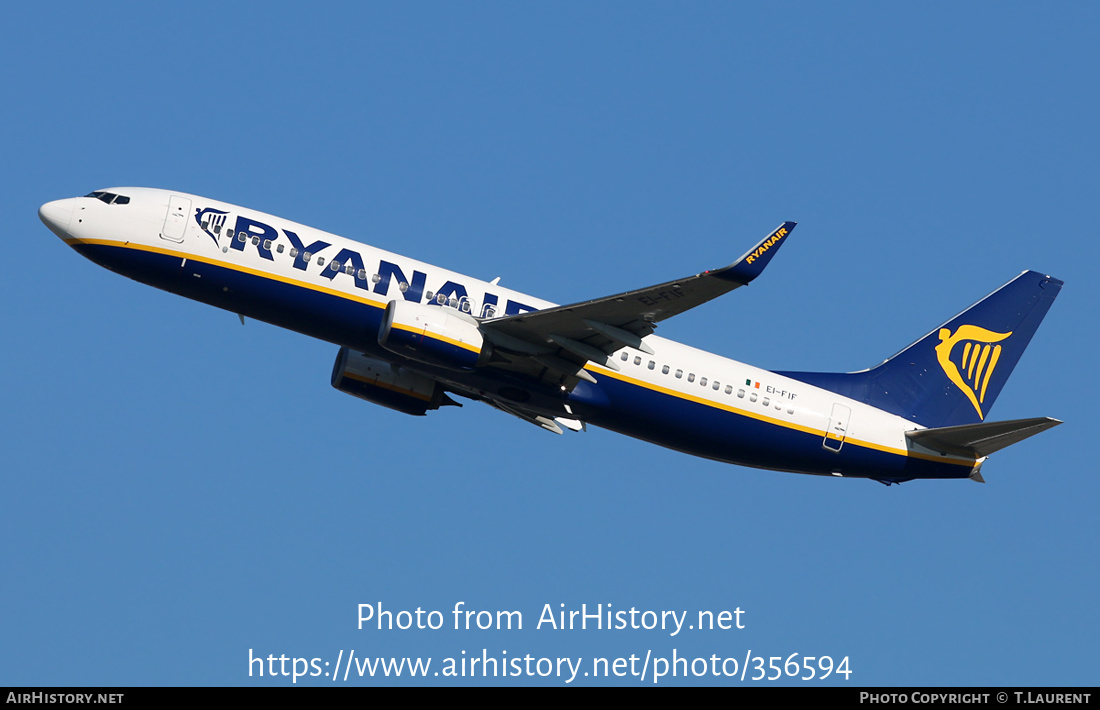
436 335
383 383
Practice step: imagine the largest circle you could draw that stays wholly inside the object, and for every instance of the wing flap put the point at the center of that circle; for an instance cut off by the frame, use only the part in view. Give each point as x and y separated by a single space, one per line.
553 425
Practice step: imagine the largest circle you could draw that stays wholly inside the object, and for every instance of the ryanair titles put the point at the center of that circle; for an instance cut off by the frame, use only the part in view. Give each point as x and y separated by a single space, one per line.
266 238
768 244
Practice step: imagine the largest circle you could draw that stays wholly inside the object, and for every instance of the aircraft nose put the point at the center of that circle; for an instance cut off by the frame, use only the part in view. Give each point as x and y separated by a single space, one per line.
56 215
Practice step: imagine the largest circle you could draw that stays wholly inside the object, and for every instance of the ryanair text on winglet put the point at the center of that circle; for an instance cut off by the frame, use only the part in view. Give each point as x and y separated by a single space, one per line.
768 243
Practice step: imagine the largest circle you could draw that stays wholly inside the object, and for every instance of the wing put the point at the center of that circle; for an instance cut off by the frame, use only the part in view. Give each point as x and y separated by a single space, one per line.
555 344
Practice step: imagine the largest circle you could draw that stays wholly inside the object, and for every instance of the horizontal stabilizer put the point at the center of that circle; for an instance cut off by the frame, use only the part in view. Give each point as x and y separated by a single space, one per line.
980 439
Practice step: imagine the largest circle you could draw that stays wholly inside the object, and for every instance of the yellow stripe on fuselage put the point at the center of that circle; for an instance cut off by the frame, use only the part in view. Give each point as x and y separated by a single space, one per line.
772 420
591 367
227 265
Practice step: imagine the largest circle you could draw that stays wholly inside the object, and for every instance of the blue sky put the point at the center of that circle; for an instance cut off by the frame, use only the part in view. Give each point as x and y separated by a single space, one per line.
179 490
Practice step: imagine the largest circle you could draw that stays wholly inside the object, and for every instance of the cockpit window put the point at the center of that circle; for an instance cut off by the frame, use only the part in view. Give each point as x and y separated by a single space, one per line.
109 197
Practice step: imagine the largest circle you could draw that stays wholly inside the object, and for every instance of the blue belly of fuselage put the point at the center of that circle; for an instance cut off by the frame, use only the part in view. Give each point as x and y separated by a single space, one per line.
625 407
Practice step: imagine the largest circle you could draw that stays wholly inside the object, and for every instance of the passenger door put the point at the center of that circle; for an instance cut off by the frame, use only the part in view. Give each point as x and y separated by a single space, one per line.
175 222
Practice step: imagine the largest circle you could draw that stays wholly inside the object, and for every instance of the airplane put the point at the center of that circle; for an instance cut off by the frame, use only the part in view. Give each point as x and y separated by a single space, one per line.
410 335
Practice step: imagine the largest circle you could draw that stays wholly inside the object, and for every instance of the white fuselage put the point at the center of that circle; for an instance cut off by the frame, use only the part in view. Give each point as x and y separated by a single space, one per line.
302 278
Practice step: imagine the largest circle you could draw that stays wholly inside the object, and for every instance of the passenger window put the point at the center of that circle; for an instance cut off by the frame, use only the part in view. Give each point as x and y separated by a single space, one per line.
307 256
349 269
335 265
429 295
679 374
652 364
790 410
267 244
362 275
279 248
715 386
729 390
293 252
637 360
240 237
691 377
765 402
624 356
376 278
255 241
441 298
703 381
752 397
741 394
403 286
664 370
320 261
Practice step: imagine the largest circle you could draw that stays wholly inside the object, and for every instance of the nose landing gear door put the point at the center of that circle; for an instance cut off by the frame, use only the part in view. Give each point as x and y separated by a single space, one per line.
175 222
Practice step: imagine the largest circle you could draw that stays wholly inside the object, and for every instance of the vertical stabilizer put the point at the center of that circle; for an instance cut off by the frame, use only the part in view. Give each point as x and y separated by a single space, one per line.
952 375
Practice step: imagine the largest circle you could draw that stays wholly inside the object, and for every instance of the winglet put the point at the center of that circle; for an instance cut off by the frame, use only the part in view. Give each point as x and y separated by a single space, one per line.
752 264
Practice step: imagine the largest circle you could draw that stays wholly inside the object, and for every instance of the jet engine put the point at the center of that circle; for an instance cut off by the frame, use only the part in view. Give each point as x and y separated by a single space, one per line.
435 335
383 383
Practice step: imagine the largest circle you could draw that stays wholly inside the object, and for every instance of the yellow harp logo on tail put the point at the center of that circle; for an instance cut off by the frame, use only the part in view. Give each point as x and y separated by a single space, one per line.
975 362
